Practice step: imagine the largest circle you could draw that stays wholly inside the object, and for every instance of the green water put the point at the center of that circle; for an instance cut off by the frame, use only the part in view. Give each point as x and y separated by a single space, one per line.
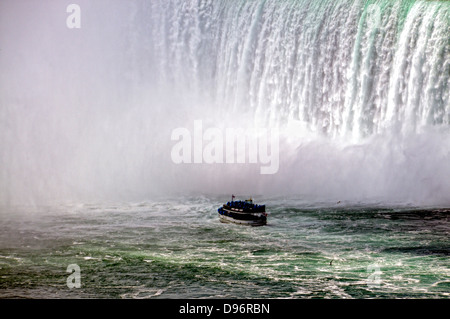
177 248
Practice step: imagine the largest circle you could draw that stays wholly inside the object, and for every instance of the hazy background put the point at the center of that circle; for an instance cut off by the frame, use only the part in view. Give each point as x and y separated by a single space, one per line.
86 115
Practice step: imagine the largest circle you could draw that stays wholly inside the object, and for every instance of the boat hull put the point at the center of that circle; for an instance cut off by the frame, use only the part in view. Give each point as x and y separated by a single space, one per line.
242 218
227 219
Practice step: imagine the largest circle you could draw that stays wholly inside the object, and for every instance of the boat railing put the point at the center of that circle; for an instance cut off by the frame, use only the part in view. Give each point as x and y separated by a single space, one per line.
247 210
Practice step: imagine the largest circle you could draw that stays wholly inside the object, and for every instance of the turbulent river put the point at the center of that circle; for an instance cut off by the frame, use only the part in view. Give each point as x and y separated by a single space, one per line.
178 248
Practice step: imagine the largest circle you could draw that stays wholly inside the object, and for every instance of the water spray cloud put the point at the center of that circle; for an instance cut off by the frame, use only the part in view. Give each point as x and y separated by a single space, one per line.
358 91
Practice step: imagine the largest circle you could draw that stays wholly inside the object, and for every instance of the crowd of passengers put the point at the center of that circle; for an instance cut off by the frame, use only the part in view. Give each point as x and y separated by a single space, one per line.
244 205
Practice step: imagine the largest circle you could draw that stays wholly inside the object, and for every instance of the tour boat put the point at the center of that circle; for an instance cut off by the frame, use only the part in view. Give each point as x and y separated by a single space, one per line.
243 213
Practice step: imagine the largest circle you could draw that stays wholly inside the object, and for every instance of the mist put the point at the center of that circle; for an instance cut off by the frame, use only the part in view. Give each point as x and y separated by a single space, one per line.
87 114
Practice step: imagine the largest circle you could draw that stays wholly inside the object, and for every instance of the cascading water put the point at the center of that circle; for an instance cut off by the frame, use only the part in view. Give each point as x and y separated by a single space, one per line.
340 67
359 89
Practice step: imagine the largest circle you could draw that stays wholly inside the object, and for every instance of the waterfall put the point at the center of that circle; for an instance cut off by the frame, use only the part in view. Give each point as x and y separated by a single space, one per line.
344 68
359 90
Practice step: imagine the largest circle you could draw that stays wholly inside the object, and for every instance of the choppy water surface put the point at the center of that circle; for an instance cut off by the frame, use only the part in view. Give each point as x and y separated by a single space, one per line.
177 248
